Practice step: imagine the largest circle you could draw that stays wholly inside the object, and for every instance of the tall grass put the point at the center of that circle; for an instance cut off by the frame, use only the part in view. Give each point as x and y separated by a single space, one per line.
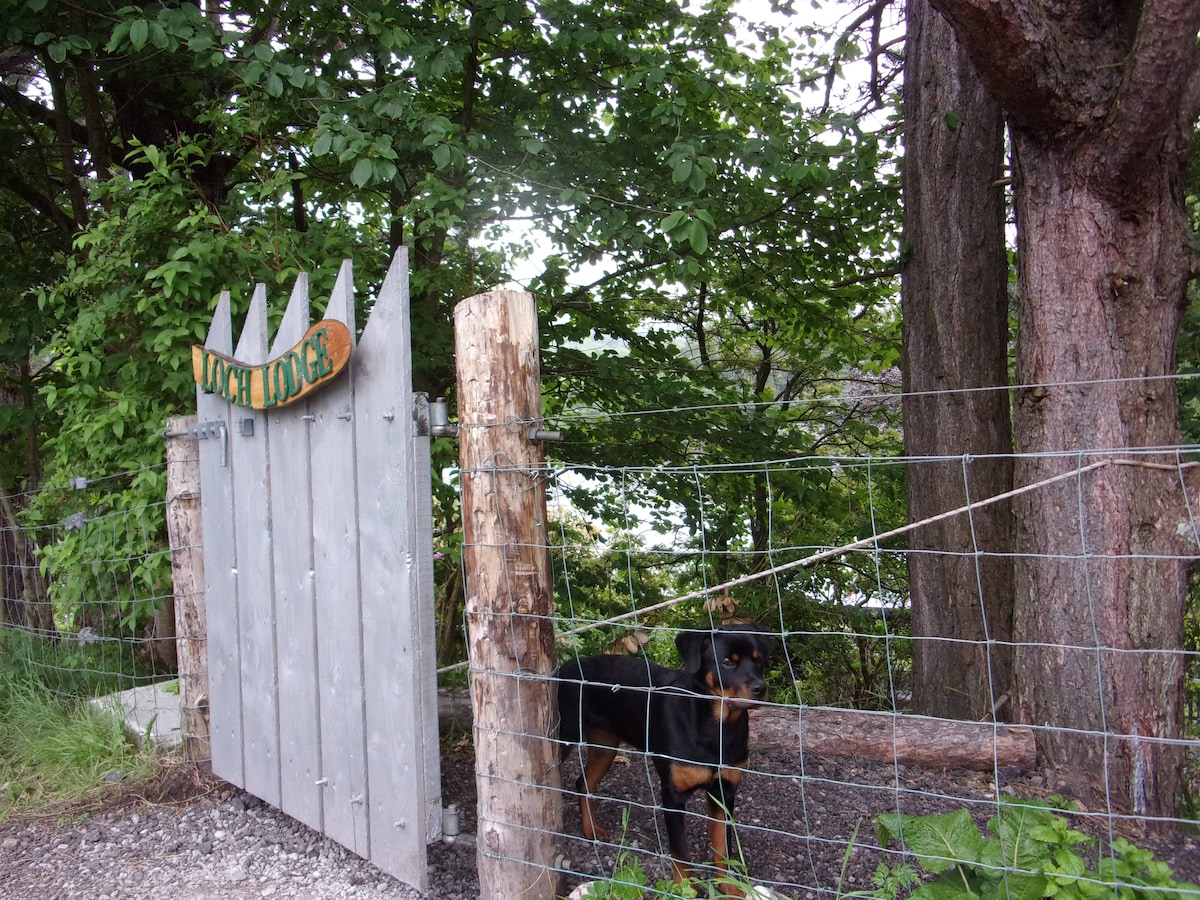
56 749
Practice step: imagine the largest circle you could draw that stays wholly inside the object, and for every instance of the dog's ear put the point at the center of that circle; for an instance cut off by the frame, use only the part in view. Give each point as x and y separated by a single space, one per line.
692 645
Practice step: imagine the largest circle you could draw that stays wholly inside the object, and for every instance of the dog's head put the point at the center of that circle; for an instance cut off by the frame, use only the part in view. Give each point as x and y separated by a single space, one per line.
730 659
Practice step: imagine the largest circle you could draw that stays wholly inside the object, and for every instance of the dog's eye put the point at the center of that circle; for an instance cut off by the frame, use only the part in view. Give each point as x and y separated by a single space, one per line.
728 663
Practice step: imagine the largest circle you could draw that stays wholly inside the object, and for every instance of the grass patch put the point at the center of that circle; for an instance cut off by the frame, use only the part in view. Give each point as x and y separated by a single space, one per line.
56 750
66 666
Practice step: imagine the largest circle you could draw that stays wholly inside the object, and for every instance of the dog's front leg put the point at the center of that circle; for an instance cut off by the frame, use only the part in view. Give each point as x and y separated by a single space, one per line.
678 781
720 799
677 838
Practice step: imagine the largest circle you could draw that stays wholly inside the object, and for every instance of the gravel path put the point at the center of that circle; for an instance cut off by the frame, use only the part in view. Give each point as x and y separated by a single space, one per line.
187 836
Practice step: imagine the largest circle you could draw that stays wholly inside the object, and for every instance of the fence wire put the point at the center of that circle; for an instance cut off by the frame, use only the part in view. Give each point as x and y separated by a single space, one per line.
809 811
88 606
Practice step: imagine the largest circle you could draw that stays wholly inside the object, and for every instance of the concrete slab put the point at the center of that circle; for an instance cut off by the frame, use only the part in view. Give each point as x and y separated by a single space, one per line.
150 711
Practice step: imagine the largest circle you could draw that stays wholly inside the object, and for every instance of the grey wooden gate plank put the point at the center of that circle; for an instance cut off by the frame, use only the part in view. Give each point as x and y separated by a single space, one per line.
295 607
425 634
392 543
256 597
220 581
339 613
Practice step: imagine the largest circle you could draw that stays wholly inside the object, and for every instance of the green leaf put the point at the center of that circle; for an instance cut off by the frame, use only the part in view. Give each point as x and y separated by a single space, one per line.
948 886
322 144
441 155
119 34
139 33
698 237
158 36
939 841
362 172
673 221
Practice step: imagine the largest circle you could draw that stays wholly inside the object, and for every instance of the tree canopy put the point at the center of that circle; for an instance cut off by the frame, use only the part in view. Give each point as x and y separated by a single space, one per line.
705 234
710 226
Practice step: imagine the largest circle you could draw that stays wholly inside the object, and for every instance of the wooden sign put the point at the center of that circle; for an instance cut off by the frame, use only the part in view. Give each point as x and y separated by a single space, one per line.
311 364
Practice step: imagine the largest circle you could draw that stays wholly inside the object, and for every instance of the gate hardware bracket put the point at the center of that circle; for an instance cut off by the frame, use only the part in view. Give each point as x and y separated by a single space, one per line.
439 419
432 418
202 431
537 434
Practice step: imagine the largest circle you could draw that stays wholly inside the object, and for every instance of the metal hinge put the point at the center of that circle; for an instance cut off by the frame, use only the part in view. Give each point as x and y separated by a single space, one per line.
432 419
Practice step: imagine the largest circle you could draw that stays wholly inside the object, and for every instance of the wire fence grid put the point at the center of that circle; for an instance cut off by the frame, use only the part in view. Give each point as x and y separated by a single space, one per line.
88 602
838 614
807 818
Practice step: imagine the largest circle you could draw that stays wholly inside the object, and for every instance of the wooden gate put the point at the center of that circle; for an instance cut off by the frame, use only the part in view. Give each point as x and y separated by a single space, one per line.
318 558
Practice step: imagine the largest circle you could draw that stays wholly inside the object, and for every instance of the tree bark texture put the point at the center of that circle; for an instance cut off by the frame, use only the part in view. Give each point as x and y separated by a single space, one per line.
509 595
1101 99
185 533
25 601
955 323
903 740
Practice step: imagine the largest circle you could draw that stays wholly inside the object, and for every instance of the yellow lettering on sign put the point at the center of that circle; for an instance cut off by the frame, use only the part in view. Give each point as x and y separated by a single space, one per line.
321 354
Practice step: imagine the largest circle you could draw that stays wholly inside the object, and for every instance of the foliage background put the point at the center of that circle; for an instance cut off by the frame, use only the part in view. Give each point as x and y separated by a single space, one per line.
705 205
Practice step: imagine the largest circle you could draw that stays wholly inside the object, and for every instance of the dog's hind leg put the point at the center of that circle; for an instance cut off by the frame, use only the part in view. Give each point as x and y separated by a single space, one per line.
599 760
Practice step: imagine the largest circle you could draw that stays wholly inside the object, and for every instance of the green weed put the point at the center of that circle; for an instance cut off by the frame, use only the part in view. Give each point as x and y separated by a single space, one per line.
1027 853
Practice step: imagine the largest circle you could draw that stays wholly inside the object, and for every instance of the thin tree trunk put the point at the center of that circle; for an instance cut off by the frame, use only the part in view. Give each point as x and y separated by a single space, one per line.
955 325
24 587
448 612
66 144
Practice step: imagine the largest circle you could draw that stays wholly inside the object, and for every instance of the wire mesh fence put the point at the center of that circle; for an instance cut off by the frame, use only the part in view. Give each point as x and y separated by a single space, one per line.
836 754
841 755
88 602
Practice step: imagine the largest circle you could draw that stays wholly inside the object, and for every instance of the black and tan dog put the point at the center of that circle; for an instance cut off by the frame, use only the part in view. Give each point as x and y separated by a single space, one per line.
694 724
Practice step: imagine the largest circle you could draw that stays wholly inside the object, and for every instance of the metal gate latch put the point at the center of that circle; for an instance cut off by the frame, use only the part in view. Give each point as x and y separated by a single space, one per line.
202 431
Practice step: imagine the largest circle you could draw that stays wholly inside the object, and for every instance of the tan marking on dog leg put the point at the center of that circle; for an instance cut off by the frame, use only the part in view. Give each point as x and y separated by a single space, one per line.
599 760
718 836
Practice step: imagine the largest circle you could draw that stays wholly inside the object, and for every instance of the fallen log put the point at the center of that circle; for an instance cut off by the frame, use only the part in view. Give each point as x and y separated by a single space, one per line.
897 738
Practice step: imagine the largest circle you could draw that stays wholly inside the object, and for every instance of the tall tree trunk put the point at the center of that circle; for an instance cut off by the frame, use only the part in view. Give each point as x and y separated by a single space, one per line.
1099 621
955 323
66 146
1101 98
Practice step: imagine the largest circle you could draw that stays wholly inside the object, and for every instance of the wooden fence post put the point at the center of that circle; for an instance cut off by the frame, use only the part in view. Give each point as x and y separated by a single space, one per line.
509 598
187 574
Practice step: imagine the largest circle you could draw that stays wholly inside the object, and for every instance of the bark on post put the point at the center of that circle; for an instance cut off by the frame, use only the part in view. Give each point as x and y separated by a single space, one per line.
187 575
509 600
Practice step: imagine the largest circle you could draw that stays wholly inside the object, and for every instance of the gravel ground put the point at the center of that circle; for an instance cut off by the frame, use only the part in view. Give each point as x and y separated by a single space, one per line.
189 836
